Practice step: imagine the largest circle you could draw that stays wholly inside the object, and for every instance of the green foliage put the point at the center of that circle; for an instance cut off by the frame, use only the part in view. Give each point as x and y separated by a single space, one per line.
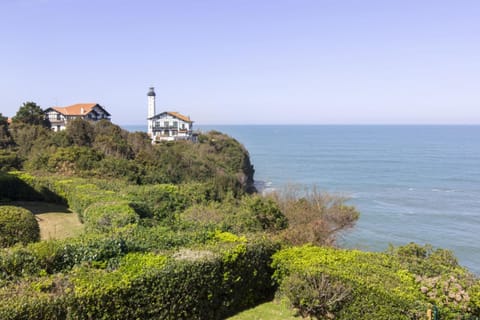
425 260
316 295
251 213
105 150
71 160
8 160
161 202
440 278
31 113
108 216
111 140
266 211
5 137
80 132
17 225
30 139
148 286
381 287
314 217
14 188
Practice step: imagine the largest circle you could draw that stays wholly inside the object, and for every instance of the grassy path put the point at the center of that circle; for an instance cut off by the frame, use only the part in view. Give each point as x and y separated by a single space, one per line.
274 310
56 221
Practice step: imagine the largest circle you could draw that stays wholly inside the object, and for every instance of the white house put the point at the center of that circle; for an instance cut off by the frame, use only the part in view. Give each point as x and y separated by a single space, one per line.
60 116
168 125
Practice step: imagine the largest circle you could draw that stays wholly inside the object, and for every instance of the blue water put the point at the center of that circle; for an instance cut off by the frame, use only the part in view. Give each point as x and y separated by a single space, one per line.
410 183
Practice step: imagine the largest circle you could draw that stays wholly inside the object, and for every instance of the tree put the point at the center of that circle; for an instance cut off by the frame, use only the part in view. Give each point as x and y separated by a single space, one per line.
80 132
5 137
31 113
111 140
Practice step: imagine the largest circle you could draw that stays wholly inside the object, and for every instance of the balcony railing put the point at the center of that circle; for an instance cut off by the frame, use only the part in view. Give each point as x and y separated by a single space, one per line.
171 128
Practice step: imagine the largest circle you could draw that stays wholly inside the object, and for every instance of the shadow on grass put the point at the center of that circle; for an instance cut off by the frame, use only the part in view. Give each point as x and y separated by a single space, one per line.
38 207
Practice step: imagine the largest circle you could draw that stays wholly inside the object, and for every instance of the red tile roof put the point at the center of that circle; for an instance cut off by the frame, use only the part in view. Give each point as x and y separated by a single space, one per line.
78 109
179 116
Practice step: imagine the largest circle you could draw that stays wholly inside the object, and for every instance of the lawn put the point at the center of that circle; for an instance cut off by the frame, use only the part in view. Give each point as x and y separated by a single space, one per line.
274 310
56 221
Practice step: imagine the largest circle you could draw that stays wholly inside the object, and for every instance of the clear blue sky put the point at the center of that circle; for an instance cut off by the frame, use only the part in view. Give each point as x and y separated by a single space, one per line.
247 61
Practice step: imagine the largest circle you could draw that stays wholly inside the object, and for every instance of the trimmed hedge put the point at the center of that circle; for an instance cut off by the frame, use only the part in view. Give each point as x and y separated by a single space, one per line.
48 257
208 283
107 216
17 225
379 285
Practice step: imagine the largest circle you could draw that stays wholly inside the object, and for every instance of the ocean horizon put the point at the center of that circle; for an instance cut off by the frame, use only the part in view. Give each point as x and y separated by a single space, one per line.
411 183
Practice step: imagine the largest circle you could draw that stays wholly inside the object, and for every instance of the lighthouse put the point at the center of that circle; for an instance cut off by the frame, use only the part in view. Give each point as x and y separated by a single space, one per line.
151 110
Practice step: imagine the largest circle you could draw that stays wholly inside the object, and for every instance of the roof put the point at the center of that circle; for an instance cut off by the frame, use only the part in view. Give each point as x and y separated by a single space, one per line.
175 115
151 92
78 109
179 116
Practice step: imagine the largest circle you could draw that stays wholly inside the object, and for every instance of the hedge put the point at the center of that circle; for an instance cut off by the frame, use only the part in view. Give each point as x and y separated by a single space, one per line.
380 286
17 225
204 283
108 216
49 257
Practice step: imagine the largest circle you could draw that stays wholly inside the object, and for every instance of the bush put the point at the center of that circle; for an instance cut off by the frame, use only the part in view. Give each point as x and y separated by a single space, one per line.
316 295
266 212
314 217
160 202
8 160
252 213
107 216
17 225
381 286
208 283
13 188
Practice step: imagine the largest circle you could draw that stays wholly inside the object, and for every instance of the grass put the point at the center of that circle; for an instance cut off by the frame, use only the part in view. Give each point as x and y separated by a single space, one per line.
273 310
56 221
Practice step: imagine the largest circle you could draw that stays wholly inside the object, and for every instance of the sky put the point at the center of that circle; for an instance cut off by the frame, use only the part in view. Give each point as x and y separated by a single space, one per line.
247 61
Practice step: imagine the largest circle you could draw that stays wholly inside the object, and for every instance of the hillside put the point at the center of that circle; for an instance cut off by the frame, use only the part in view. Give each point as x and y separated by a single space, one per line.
176 231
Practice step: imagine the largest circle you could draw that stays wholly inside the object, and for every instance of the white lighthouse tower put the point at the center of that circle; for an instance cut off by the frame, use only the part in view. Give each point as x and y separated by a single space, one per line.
151 111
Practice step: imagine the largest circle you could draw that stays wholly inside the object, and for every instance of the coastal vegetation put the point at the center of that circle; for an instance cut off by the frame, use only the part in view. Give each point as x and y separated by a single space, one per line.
176 231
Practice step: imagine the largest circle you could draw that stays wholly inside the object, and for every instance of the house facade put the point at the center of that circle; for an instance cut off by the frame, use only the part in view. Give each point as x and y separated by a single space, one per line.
60 116
168 125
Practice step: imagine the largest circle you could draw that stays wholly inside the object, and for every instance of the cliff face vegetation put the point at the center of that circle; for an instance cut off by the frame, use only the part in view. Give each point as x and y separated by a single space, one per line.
104 150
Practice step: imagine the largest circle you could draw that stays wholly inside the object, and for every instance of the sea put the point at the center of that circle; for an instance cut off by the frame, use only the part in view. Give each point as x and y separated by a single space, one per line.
411 183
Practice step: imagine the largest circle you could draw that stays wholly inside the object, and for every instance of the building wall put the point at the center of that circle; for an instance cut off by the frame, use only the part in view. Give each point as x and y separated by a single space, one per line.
168 127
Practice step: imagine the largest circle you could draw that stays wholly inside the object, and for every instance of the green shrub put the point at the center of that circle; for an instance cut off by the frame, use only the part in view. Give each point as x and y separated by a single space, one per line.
380 289
13 187
381 285
8 160
440 278
18 262
266 212
316 295
161 202
74 159
206 283
107 216
17 225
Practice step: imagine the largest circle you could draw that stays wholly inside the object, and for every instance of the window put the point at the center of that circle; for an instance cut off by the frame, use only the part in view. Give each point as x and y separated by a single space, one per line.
165 124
